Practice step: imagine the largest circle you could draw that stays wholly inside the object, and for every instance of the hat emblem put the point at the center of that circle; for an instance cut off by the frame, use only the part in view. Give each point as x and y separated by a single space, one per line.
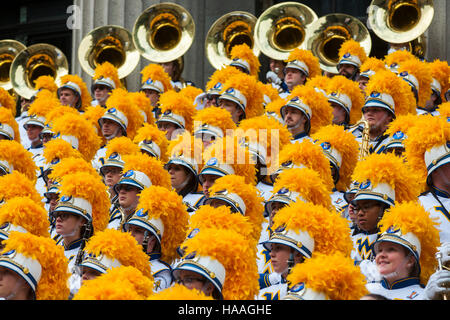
113 155
193 233
375 94
112 110
392 229
230 90
394 65
298 287
191 255
364 185
326 146
149 81
334 94
283 191
168 112
218 85
398 135
347 55
280 228
141 213
55 161
448 119
295 99
448 144
403 74
66 198
148 141
287 164
56 135
212 162
128 174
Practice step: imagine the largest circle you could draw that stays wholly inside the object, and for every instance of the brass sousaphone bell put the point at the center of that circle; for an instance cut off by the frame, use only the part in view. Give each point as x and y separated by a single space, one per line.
37 60
111 44
9 49
401 22
231 29
325 36
282 28
164 32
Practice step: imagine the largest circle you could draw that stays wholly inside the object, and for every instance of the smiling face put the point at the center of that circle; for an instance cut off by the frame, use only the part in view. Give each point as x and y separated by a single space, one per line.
392 261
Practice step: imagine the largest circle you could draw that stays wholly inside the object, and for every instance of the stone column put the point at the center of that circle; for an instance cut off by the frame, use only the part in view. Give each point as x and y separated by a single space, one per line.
438 34
96 13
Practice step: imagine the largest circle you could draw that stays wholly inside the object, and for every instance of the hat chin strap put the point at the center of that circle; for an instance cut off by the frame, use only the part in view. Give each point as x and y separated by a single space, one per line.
112 136
396 272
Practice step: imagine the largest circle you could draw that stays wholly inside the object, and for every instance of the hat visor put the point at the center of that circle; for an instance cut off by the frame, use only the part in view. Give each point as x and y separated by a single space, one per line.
128 182
192 267
144 225
369 196
377 104
431 168
267 245
74 211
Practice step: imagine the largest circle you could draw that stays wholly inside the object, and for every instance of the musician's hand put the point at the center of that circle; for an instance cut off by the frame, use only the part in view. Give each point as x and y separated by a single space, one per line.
273 78
436 285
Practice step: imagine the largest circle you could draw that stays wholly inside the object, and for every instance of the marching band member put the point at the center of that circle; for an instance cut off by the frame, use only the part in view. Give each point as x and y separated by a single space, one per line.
82 210
177 113
243 58
14 157
35 267
219 262
232 191
351 56
405 252
418 75
140 172
368 69
214 86
300 66
110 249
152 141
429 158
120 283
175 69
241 97
275 76
300 230
387 97
183 166
155 81
397 131
111 170
73 92
341 148
346 98
105 80
264 136
306 111
121 118
291 185
159 225
385 181
439 84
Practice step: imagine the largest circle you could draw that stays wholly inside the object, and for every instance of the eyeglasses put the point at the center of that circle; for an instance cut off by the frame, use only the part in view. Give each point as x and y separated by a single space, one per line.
126 188
189 280
63 216
366 207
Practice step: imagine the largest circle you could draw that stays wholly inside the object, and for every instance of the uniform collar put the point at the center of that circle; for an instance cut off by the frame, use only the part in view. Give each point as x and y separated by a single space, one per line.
155 256
440 193
73 245
300 135
41 145
428 110
401 283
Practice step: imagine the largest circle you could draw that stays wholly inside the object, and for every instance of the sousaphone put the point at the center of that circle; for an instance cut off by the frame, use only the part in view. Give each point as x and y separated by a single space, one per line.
401 22
325 36
9 49
111 44
231 29
282 28
37 60
164 32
